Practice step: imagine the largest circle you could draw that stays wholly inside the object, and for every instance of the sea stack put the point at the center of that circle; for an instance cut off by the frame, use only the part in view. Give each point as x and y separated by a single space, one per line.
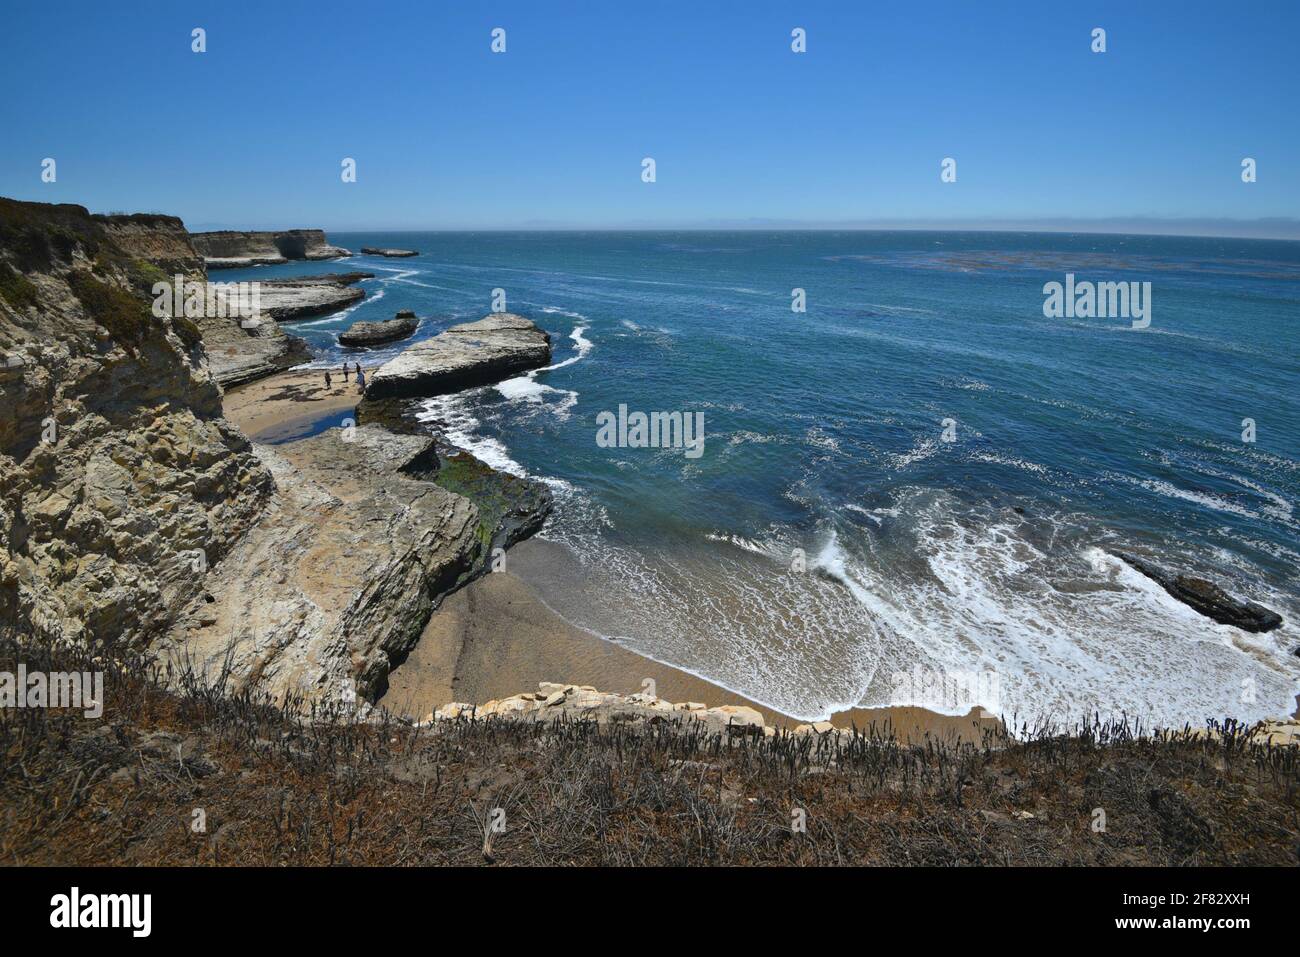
471 354
362 335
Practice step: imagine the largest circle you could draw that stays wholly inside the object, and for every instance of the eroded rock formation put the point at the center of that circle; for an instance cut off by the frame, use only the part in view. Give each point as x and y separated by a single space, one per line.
1207 598
226 249
471 354
120 479
362 335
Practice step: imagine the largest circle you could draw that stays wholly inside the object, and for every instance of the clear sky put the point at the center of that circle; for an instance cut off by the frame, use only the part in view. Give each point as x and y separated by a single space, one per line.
447 134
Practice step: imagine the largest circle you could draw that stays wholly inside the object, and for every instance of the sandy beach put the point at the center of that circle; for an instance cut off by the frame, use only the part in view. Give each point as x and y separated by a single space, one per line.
496 637
292 404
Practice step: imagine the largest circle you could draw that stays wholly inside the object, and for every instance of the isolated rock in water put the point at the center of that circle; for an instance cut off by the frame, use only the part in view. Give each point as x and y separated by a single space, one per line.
228 249
363 334
288 299
390 253
475 353
1208 598
405 314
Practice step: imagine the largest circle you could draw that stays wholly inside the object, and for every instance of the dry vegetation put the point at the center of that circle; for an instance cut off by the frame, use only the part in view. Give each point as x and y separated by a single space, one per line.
289 786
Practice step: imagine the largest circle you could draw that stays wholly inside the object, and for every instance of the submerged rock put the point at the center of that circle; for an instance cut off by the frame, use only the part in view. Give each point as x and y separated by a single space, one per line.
1207 598
474 353
363 334
390 253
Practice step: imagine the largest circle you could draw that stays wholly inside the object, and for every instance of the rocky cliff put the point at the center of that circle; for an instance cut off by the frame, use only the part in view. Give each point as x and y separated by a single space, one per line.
119 479
133 515
237 352
230 248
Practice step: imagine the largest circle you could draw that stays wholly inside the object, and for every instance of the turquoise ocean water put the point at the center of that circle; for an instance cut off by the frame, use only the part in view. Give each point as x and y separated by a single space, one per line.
829 540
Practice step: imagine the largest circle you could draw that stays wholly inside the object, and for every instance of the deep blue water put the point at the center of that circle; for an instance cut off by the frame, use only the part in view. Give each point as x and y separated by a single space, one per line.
824 440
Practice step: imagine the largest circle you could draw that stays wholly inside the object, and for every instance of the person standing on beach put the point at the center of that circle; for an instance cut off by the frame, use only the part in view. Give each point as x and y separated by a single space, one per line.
345 371
327 379
361 380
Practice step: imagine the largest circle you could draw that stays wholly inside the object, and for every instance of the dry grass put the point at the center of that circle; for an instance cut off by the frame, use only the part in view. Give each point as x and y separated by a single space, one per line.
289 786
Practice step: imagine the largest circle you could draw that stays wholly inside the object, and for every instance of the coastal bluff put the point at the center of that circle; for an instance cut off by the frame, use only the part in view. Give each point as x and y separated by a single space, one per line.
471 354
121 478
237 352
136 518
229 249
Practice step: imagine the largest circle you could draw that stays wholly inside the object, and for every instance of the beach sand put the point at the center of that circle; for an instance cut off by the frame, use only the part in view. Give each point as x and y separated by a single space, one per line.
292 404
496 637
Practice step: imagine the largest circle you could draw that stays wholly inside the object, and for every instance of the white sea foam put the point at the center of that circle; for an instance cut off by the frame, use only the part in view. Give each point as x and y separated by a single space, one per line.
582 346
526 388
1066 627
458 426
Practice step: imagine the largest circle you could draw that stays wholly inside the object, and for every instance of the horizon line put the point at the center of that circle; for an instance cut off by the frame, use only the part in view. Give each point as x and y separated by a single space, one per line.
1278 229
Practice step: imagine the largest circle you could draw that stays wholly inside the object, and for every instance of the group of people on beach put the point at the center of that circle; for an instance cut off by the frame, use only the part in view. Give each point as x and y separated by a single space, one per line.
361 378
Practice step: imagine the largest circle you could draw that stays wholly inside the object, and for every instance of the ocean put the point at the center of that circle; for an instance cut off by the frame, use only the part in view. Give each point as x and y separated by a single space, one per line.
910 491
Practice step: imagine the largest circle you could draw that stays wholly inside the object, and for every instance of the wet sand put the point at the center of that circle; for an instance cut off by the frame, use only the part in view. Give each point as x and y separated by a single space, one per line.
496 638
293 404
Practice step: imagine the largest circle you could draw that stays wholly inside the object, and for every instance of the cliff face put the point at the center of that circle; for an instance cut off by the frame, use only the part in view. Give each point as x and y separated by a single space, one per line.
160 240
230 248
119 479
236 352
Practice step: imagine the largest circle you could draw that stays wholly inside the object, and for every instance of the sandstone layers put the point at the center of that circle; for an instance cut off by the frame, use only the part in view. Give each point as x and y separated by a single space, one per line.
238 351
306 296
471 354
133 515
339 577
227 249
119 476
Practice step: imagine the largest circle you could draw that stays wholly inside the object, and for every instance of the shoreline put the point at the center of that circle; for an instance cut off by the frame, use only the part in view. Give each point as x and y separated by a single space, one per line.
292 404
496 637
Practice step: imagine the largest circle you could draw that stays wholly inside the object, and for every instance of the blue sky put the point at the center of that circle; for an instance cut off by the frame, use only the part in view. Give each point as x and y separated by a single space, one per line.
447 134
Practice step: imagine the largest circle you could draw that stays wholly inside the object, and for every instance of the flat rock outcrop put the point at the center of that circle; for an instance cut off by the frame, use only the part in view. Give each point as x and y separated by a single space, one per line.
228 249
334 585
119 479
1207 598
361 335
389 253
241 351
300 298
471 354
